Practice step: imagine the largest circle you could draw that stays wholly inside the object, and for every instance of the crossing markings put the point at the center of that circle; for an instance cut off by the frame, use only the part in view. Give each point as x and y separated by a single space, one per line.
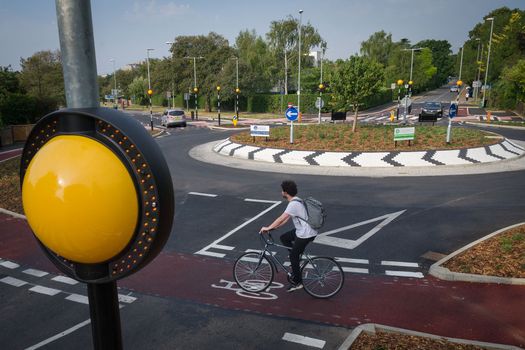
300 339
9 264
404 274
15 282
45 290
64 279
203 194
36 273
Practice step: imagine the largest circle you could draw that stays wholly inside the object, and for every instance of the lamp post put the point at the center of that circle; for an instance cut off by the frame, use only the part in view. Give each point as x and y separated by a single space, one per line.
237 90
488 60
115 82
321 85
461 62
299 73
173 78
478 69
150 92
195 88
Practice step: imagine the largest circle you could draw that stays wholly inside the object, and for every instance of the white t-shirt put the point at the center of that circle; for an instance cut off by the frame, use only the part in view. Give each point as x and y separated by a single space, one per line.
296 209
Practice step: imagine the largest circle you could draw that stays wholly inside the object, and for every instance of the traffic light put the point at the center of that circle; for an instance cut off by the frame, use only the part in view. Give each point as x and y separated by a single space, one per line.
321 87
195 89
237 90
218 88
400 82
150 92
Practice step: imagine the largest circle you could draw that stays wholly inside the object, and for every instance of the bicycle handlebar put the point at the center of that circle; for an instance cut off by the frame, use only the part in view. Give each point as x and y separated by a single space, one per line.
268 240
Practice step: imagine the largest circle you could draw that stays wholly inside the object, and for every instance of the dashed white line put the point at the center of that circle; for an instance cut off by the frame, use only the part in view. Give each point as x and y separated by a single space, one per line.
34 272
82 299
352 261
59 335
300 339
203 194
399 264
64 279
404 274
45 290
13 281
9 265
258 200
354 270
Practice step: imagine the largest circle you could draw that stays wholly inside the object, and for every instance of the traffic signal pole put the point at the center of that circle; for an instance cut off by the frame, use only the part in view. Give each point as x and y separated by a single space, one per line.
77 47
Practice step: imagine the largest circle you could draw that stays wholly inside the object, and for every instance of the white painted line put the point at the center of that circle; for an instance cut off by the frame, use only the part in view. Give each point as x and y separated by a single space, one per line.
259 200
44 290
215 255
354 270
300 339
77 298
223 247
399 263
128 299
13 281
203 251
36 273
59 335
352 261
12 213
203 194
9 264
404 274
64 279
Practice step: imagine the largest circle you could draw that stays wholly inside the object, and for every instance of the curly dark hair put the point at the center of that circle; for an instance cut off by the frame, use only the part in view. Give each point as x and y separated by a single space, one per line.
289 187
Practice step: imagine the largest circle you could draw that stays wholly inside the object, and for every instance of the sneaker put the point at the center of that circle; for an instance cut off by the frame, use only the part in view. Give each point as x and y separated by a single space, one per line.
294 287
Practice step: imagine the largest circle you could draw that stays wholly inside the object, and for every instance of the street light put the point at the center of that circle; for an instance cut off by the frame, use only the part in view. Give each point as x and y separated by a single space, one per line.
115 81
150 92
195 88
461 61
488 60
321 85
478 63
299 57
173 78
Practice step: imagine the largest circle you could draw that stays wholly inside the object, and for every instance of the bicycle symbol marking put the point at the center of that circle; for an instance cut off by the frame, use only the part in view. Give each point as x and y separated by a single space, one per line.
229 285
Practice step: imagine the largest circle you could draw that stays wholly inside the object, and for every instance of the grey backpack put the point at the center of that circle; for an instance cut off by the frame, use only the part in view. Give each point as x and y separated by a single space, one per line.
315 211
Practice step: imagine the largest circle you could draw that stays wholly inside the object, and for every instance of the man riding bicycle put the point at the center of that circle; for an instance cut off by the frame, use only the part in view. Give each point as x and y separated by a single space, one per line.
297 238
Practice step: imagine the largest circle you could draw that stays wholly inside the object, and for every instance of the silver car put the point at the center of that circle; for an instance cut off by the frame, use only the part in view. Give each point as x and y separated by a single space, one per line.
173 117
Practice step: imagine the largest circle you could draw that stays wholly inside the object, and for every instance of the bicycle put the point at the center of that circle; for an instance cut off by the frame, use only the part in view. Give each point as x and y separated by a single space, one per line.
254 271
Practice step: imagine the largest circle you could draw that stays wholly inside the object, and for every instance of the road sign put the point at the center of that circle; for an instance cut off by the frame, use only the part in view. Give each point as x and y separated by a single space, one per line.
453 109
235 120
168 94
406 100
393 86
291 114
404 134
290 105
186 96
260 130
319 103
476 84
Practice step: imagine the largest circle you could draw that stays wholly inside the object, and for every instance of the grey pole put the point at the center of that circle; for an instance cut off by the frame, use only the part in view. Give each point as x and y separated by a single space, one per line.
195 83
411 65
149 88
488 61
477 64
298 75
320 92
77 48
461 61
115 82
172 78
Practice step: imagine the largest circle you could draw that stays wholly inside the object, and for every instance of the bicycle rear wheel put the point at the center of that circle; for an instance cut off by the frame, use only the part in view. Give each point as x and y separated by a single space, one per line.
322 277
253 272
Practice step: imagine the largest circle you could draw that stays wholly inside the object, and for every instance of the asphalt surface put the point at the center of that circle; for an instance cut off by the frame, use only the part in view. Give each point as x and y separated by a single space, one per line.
385 231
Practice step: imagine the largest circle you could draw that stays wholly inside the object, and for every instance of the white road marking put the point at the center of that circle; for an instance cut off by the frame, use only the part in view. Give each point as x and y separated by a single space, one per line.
44 290
215 255
300 339
399 263
13 281
82 299
223 247
354 270
128 299
36 273
204 251
258 200
352 261
64 279
59 335
9 265
326 239
404 274
203 194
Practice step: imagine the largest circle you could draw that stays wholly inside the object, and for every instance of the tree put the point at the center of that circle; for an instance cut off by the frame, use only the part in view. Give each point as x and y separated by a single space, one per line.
283 41
441 59
378 47
137 90
9 82
42 76
355 80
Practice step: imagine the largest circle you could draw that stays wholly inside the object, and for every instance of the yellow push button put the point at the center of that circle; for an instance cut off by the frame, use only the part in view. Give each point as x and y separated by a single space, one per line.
79 199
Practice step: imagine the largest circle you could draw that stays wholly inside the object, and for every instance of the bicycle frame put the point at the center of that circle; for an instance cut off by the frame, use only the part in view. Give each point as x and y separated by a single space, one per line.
269 242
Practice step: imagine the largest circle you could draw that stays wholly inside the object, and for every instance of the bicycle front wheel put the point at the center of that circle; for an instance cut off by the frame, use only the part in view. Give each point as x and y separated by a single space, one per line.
322 277
253 272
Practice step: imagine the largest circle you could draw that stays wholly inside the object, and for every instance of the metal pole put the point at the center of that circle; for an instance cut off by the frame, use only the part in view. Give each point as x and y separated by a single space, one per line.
461 61
488 61
299 74
412 64
149 88
219 107
477 64
320 92
81 86
237 88
77 48
115 83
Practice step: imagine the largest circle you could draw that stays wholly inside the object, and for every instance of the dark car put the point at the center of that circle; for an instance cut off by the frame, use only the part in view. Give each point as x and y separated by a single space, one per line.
431 111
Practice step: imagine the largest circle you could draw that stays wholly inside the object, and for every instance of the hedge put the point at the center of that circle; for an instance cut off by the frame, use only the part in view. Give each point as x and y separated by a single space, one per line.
24 109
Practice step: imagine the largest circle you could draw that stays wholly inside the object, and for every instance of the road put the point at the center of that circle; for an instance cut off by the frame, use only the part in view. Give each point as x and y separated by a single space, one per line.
386 232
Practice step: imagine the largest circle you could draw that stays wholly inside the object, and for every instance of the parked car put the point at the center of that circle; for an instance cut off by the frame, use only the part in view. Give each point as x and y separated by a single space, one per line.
173 117
454 88
431 111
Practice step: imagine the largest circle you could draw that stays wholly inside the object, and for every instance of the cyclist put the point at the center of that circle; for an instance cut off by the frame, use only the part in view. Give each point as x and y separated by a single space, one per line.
300 236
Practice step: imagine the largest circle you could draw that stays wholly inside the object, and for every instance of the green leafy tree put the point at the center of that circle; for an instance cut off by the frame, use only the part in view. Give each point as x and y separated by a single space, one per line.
355 80
138 90
378 47
283 40
441 59
41 75
9 82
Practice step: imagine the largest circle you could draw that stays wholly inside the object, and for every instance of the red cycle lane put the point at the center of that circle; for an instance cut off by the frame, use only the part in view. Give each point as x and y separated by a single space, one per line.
483 312
10 154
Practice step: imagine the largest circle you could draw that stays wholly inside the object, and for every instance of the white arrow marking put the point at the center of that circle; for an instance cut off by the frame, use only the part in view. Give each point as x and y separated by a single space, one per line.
326 239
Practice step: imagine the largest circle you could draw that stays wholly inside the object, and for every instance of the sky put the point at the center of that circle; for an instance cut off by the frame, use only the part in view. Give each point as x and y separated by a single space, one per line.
124 29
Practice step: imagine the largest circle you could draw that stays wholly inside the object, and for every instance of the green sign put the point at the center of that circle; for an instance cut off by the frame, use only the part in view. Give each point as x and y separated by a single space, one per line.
404 134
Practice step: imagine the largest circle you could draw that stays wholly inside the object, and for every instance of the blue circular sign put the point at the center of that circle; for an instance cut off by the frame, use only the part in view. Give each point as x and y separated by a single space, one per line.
291 114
